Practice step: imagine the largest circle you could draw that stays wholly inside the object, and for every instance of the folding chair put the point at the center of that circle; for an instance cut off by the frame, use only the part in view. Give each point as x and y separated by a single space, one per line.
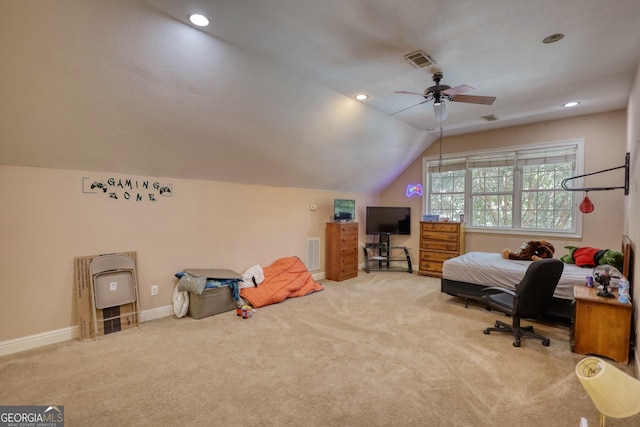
113 284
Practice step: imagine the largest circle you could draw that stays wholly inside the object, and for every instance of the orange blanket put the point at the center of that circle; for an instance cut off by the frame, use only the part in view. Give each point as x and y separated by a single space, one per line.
285 278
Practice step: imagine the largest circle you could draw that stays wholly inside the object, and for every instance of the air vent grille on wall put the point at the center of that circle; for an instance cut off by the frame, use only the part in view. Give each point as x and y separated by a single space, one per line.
419 59
313 253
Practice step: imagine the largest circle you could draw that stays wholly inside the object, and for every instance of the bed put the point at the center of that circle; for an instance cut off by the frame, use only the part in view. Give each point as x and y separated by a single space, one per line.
466 275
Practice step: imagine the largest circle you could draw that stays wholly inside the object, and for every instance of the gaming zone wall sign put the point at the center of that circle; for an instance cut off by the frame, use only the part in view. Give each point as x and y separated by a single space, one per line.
138 190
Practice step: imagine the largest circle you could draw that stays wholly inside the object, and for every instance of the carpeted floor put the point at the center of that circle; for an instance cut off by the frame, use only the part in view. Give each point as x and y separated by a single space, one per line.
383 349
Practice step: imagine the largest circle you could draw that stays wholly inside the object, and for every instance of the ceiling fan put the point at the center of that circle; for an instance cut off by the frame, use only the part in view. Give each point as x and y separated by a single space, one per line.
439 93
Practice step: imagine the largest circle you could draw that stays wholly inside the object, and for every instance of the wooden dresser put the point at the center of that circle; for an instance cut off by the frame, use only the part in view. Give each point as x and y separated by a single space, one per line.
439 241
342 250
601 326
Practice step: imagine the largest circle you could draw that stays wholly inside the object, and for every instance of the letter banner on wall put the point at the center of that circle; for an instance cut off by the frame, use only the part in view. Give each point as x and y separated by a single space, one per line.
131 189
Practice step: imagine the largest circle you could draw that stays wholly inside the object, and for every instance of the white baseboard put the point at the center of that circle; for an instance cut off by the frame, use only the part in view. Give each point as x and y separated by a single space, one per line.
38 340
156 313
319 276
17 345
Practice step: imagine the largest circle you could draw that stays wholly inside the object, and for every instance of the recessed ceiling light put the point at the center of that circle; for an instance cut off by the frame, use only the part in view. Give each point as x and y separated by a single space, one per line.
553 38
570 104
361 97
199 20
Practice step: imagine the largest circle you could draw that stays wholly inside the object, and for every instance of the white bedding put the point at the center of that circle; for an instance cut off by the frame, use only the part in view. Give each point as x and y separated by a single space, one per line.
490 269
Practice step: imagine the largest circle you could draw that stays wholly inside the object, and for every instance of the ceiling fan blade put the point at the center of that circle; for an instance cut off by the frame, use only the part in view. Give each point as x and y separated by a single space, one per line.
405 109
409 93
441 111
457 89
473 99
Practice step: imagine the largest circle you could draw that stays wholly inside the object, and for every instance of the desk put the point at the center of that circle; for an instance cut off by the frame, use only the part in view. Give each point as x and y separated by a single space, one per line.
601 326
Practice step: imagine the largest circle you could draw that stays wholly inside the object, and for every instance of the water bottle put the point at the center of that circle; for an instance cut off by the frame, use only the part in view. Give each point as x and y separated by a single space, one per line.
623 291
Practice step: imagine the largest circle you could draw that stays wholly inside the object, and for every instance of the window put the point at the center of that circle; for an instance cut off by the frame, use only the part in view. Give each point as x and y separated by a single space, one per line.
518 189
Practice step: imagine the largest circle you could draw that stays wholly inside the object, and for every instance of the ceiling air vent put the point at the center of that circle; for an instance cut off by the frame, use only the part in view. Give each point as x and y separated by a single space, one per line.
419 59
490 118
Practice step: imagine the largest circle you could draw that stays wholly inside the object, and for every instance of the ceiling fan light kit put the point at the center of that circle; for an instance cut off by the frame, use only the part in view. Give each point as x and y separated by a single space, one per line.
439 93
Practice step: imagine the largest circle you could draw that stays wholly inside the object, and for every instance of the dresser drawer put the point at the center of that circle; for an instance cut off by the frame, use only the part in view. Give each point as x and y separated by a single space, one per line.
349 242
431 266
436 256
347 275
349 259
439 236
344 251
439 246
439 226
349 228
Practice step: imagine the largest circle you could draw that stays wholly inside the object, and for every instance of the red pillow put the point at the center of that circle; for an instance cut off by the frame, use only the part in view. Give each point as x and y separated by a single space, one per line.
585 257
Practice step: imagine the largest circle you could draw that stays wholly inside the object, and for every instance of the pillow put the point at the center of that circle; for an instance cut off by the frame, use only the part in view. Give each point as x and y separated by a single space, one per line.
180 302
252 277
192 284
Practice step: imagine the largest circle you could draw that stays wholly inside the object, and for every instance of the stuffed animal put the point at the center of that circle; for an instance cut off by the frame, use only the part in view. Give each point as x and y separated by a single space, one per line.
532 250
590 257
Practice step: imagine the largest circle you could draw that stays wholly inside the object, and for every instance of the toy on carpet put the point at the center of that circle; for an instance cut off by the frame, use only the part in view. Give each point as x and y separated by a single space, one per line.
246 311
532 250
591 257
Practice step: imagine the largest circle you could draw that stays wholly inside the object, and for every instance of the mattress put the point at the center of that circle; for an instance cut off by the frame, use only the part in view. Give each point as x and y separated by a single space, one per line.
490 269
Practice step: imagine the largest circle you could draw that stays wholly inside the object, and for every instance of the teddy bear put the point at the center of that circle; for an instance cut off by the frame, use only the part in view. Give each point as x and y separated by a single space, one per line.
532 250
591 257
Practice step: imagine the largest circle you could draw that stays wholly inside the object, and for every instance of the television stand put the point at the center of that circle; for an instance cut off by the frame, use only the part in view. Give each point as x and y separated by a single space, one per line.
379 256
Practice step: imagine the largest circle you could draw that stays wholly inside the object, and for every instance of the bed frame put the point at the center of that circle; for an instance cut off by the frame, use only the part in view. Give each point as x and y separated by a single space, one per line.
560 308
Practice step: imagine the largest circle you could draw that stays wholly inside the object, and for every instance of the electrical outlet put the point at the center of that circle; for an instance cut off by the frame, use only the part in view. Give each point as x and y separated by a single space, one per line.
154 290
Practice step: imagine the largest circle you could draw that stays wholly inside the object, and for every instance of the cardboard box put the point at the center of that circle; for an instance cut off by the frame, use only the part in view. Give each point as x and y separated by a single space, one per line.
211 301
106 322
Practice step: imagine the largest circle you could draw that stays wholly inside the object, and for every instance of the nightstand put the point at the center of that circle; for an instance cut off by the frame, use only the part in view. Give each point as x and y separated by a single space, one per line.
601 326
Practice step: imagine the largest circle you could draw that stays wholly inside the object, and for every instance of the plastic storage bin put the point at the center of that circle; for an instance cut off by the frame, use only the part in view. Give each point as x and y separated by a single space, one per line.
211 301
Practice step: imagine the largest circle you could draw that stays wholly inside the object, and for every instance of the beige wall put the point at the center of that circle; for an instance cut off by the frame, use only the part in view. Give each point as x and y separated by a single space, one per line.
604 136
632 216
46 220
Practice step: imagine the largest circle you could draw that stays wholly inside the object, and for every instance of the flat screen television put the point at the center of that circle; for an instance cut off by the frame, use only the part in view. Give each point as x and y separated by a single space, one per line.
388 220
344 210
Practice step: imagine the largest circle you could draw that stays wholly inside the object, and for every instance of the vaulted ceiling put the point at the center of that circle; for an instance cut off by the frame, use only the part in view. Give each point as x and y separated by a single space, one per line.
265 93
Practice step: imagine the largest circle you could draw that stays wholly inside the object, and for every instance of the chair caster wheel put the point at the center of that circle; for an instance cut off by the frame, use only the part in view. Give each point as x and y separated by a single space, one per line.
486 332
516 344
546 342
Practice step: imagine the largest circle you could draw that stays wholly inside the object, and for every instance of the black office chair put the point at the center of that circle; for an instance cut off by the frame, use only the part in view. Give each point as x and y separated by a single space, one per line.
532 298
